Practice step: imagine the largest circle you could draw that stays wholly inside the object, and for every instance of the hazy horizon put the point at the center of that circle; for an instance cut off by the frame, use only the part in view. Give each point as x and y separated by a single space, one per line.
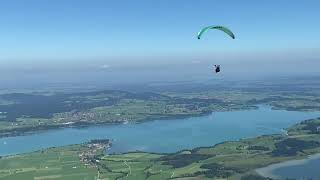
141 41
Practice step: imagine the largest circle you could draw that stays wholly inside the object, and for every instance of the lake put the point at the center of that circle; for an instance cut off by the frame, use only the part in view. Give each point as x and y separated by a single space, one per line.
296 169
165 135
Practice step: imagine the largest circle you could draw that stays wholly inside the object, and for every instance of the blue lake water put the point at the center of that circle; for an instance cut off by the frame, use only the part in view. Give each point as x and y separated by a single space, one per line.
309 170
165 135
296 169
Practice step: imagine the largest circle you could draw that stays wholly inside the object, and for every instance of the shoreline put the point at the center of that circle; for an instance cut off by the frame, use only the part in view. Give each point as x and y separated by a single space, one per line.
80 125
23 131
39 129
177 117
264 161
268 170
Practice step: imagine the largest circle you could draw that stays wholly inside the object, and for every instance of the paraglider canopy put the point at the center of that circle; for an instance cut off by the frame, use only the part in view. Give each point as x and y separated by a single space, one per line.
221 28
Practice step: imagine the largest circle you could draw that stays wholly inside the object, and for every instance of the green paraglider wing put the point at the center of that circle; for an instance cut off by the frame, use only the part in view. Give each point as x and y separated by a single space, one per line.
221 28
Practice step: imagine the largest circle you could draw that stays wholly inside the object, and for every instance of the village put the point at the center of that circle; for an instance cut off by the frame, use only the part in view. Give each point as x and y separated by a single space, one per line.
95 147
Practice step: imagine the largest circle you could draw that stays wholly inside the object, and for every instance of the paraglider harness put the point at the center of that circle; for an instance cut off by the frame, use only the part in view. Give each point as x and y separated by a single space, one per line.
217 68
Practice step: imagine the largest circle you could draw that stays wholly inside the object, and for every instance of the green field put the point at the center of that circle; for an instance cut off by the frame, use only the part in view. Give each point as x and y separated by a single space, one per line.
53 163
108 107
105 107
230 160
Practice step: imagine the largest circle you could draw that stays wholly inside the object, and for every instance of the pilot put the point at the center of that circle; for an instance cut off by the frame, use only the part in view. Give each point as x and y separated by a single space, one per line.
217 68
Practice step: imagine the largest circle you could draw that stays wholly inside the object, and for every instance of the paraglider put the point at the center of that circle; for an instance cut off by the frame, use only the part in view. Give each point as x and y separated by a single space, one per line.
221 28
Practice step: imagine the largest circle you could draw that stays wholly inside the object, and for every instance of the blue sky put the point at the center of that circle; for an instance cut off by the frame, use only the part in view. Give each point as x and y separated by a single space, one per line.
62 31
